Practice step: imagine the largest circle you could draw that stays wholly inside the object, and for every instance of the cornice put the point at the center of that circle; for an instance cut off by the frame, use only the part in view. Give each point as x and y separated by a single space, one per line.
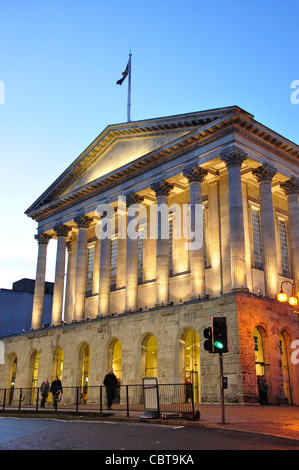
236 121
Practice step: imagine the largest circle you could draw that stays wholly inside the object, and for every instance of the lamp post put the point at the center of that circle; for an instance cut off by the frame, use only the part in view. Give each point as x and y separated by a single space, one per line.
292 299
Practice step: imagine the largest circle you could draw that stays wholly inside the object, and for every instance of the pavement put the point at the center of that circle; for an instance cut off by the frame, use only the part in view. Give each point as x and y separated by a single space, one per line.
280 421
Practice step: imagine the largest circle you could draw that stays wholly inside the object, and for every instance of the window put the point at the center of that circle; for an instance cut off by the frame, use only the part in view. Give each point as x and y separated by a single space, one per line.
284 251
257 241
114 245
140 253
90 265
170 237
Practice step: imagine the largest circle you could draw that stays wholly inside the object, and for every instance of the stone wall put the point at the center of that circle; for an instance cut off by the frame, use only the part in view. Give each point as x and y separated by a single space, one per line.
168 325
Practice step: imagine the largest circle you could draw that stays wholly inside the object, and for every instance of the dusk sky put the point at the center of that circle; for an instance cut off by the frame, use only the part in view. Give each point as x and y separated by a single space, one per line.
59 63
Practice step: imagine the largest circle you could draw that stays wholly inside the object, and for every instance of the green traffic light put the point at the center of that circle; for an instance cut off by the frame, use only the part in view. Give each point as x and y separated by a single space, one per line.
218 345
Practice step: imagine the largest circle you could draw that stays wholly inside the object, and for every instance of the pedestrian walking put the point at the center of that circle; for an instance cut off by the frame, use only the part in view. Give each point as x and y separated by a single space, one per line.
56 390
45 387
262 387
110 382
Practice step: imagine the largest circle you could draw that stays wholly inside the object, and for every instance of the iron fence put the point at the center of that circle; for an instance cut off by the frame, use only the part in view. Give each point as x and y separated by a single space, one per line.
167 400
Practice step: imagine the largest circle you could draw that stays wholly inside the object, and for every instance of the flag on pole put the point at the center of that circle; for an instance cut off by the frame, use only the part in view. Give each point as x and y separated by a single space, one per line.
124 74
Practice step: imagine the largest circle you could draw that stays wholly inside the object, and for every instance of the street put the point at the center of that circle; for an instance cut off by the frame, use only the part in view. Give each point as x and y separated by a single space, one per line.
52 434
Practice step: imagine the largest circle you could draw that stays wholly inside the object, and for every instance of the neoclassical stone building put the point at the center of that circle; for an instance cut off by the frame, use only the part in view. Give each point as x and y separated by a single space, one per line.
141 304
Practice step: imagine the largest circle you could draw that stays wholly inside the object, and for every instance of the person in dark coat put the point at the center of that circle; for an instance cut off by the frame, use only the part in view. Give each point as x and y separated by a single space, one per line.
56 390
45 387
111 384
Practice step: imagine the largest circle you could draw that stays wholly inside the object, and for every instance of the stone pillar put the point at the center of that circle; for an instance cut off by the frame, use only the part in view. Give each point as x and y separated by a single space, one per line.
39 288
291 188
264 175
105 269
132 259
234 158
83 222
195 176
62 232
162 189
69 301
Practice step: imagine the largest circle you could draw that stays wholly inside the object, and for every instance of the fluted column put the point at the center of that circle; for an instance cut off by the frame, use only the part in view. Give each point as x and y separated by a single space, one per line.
39 288
132 258
162 189
83 222
195 176
234 158
61 232
291 188
69 301
105 268
264 175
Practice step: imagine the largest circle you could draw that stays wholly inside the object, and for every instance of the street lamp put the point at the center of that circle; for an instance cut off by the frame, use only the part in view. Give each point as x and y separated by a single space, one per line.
293 299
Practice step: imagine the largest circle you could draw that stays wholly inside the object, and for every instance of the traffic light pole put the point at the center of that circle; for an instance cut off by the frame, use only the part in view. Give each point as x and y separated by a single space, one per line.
221 389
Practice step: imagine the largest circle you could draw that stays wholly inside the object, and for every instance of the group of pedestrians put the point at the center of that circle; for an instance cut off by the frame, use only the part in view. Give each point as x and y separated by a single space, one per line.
110 382
55 389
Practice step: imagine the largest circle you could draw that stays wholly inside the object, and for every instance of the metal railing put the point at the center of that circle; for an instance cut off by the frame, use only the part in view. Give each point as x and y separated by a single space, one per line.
170 400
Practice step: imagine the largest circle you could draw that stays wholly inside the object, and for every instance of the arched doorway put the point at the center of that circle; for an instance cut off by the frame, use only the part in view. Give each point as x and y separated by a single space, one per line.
258 353
285 368
13 374
117 359
84 370
150 350
34 363
190 340
58 363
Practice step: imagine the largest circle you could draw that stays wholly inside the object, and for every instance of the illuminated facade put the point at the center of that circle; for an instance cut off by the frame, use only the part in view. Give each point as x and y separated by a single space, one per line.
140 305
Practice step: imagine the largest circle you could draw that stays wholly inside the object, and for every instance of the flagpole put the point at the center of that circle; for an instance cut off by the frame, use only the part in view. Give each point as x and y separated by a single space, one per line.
129 91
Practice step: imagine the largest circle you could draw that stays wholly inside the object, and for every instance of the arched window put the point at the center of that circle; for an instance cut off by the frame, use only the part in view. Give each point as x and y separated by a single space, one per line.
151 357
190 340
58 363
258 353
285 368
84 370
34 363
117 359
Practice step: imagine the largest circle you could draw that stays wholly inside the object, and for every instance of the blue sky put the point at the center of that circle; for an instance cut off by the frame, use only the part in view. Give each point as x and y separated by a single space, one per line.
59 63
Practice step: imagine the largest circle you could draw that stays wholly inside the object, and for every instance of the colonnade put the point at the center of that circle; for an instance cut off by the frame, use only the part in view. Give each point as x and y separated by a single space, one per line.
195 175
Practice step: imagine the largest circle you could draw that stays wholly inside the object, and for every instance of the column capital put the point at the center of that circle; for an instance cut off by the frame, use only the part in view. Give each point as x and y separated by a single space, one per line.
69 245
133 198
82 221
42 238
195 173
233 157
264 173
290 186
161 187
61 230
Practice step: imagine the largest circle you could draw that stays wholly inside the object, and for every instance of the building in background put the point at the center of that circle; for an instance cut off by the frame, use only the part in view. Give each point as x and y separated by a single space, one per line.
16 307
140 305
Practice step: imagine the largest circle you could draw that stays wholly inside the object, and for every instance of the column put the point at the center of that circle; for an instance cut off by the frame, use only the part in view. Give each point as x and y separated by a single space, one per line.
291 188
61 231
234 158
39 288
162 189
195 176
105 268
83 222
132 258
69 301
264 175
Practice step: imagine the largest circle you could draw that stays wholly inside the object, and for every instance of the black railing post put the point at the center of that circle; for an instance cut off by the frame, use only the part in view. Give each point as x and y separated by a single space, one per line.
158 401
192 400
127 399
37 397
77 399
101 399
20 399
4 399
